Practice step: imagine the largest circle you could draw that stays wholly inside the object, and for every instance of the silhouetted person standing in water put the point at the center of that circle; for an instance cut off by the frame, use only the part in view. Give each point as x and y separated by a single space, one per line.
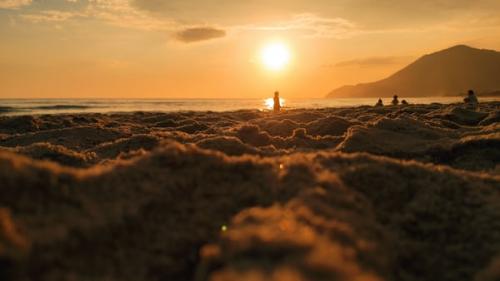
379 103
471 100
395 100
277 105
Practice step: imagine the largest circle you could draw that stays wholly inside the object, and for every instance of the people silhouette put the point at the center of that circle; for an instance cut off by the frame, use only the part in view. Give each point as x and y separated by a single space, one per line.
471 100
395 100
379 103
277 105
404 102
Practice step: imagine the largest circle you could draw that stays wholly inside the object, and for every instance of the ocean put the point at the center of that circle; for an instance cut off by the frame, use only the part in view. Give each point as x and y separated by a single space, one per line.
56 106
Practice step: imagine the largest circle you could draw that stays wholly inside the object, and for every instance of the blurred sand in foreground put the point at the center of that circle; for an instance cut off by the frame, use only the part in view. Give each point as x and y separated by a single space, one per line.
362 193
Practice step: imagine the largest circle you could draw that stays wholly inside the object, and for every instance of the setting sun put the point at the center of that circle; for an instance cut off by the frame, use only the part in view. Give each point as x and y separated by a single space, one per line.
275 56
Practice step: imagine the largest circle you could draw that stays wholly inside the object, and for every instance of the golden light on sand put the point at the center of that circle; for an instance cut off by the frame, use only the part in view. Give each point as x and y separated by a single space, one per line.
269 103
275 56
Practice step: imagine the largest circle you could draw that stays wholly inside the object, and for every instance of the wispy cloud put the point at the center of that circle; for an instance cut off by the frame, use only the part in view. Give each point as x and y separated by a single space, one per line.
113 12
129 14
311 25
14 4
49 16
125 13
122 13
197 34
371 61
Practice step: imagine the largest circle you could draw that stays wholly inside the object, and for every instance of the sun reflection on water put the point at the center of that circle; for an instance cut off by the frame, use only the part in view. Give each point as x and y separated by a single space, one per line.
269 103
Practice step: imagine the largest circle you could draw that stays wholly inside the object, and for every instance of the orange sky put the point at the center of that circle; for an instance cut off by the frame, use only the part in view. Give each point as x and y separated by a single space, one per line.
210 49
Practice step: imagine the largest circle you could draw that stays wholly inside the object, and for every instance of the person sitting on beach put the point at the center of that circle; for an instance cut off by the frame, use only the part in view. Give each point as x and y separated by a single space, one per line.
379 103
277 105
404 102
471 100
395 100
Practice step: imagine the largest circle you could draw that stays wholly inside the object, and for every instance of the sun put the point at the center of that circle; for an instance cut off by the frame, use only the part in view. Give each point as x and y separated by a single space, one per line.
275 56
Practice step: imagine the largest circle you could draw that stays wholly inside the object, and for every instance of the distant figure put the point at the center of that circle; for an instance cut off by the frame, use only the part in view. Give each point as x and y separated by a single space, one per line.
277 105
471 100
395 100
379 103
404 102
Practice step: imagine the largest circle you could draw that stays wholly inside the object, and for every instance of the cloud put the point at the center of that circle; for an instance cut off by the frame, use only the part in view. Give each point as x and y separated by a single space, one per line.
196 34
49 16
14 4
312 25
349 19
113 12
121 13
234 15
372 61
154 5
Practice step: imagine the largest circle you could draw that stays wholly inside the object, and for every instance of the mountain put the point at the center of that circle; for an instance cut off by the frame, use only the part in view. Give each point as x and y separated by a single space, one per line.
448 72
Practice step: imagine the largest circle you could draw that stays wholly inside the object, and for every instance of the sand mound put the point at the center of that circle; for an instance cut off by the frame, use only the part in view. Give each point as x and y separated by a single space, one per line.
476 153
330 126
74 138
13 246
326 232
299 116
57 153
401 137
282 128
114 149
21 124
228 145
492 118
302 141
459 115
252 135
249 195
191 127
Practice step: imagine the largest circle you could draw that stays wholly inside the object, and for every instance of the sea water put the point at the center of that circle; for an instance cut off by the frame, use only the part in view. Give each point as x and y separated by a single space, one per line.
54 106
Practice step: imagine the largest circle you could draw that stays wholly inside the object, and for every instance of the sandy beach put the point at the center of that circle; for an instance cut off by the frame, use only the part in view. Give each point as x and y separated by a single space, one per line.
364 193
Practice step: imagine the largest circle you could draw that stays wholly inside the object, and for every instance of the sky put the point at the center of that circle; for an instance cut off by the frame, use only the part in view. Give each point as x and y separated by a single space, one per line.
211 48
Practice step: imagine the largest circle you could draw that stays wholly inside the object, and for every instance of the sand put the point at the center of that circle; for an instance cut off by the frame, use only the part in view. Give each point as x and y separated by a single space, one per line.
393 193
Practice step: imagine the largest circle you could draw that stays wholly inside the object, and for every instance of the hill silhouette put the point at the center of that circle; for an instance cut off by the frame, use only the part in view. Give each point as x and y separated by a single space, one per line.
445 73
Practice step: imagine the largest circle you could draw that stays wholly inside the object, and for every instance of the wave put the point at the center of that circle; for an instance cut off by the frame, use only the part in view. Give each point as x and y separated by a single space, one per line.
5 109
61 107
34 109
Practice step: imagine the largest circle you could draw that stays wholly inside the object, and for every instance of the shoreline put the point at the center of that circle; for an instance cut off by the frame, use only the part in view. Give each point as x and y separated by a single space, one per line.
80 106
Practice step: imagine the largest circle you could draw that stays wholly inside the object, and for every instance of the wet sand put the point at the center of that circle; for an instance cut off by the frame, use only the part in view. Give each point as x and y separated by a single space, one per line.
393 193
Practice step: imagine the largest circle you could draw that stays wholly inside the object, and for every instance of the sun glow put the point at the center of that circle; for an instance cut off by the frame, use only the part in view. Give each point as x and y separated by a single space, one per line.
275 56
